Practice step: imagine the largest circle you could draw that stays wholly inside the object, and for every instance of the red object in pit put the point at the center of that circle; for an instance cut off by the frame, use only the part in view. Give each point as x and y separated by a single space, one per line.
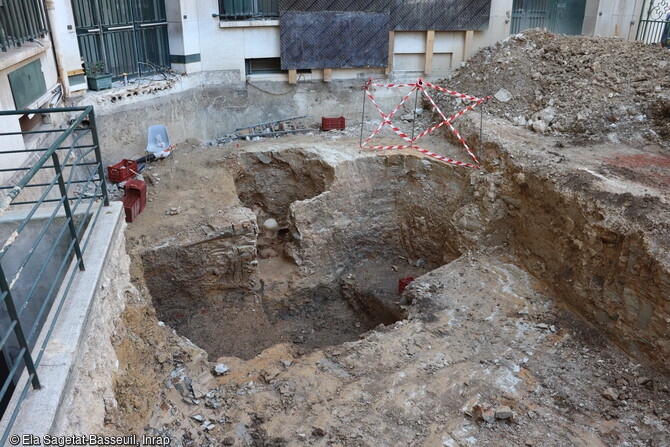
333 123
135 199
137 188
131 205
121 172
404 282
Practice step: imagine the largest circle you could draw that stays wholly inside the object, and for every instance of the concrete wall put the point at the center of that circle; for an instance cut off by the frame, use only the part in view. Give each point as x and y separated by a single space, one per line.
612 18
499 27
210 104
11 61
203 42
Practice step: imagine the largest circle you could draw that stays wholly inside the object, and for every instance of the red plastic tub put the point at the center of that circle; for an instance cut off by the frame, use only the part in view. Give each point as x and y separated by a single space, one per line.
121 172
131 205
137 188
333 123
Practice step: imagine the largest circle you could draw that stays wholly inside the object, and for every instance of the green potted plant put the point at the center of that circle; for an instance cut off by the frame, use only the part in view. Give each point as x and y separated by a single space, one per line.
96 77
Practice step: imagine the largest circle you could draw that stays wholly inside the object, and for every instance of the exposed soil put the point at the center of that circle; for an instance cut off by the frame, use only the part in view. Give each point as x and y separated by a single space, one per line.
592 89
539 315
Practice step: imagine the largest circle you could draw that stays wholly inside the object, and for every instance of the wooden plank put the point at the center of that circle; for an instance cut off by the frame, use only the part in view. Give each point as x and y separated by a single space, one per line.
293 76
327 74
430 47
467 46
389 68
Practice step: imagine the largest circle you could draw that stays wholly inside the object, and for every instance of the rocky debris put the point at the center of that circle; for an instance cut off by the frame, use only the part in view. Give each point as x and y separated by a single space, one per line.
504 413
503 95
589 87
400 383
271 225
483 412
610 394
220 369
173 211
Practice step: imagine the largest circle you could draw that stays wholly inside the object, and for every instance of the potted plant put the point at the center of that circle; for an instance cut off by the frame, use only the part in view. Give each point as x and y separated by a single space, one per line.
96 77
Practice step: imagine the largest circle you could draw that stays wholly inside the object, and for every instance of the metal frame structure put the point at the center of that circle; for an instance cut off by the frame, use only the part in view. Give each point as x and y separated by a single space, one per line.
21 21
129 36
653 26
74 156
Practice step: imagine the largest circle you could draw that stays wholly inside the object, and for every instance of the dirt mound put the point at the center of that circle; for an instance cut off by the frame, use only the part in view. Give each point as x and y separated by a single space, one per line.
590 87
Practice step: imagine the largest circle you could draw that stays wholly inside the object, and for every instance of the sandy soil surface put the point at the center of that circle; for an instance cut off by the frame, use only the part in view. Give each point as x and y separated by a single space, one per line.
541 318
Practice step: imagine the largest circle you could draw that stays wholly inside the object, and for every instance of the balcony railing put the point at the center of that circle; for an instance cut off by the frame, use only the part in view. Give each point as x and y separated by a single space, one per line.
248 9
47 213
21 21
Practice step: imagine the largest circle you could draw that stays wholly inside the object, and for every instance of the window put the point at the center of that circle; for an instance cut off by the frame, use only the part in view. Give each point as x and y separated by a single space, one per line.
248 9
267 65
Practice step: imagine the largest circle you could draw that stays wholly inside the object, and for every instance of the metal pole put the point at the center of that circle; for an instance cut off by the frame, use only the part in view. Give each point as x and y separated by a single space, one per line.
360 143
68 210
18 330
481 131
416 101
98 157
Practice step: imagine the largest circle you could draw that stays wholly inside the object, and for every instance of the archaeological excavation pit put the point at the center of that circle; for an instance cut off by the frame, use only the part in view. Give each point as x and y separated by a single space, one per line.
302 258
284 259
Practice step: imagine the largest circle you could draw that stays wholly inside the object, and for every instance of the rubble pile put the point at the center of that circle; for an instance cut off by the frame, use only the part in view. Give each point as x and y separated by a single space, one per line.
593 88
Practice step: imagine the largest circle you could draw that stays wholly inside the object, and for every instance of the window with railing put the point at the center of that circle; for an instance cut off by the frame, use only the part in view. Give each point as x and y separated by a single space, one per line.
248 9
21 21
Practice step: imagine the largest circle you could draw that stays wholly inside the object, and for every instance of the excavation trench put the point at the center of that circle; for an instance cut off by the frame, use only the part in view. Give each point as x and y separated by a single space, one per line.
310 245
306 257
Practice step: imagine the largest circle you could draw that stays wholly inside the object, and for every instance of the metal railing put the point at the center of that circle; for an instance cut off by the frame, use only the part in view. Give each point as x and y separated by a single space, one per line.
248 9
21 21
528 14
42 256
654 23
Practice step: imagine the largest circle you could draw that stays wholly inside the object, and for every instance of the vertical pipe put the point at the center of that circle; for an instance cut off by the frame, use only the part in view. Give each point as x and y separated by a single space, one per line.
18 329
68 210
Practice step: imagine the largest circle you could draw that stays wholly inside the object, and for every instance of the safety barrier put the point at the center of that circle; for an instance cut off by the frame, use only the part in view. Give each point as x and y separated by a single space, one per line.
421 85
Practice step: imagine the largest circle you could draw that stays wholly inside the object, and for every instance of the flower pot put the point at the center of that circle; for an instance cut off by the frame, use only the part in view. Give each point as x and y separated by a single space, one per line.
99 82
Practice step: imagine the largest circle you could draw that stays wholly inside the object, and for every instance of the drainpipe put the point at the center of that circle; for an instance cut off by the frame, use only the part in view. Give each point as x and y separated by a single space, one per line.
62 74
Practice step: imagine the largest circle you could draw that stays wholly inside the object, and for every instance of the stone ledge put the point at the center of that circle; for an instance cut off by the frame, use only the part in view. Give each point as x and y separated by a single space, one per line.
23 53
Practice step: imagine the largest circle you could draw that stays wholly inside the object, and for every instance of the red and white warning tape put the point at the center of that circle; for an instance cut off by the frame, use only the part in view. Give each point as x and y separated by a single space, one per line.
420 84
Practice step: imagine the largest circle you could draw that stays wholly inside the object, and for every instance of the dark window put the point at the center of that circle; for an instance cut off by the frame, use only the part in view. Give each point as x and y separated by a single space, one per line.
267 65
248 9
263 66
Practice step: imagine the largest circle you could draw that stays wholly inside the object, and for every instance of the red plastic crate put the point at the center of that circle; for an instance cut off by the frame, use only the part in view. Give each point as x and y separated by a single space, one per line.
137 188
131 205
121 172
404 282
333 123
